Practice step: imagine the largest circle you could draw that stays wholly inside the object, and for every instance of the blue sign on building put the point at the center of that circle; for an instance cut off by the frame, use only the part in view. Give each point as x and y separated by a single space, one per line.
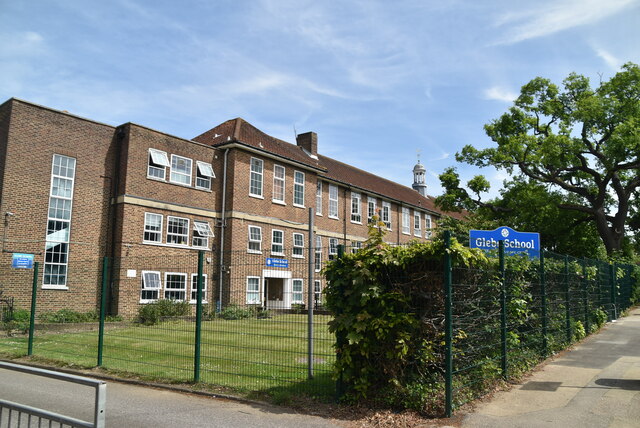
514 241
22 261
279 263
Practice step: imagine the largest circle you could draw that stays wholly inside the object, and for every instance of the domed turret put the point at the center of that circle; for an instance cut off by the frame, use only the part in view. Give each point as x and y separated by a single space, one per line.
419 184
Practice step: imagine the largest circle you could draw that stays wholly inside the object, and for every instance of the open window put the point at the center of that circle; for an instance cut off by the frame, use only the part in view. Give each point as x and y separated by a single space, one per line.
201 234
158 163
150 286
204 174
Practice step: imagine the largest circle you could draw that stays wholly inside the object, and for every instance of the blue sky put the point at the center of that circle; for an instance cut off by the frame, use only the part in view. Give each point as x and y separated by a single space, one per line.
377 80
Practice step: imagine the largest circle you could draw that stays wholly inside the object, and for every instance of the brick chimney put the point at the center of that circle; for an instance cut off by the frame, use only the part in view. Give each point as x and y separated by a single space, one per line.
309 142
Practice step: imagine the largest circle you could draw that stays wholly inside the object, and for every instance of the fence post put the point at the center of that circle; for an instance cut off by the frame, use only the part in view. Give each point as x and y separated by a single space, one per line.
32 318
587 327
448 330
503 311
543 303
103 304
198 338
567 299
612 270
310 291
340 342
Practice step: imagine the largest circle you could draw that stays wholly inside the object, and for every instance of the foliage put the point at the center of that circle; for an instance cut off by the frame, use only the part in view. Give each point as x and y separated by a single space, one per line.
70 316
234 312
153 313
387 304
16 320
580 143
530 206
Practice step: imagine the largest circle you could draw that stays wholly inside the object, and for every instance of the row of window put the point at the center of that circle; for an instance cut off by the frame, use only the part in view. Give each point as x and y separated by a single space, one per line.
256 180
181 170
254 296
279 183
254 244
175 286
177 232
417 223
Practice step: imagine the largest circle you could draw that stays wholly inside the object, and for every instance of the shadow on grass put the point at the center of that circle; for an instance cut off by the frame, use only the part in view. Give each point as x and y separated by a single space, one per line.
321 388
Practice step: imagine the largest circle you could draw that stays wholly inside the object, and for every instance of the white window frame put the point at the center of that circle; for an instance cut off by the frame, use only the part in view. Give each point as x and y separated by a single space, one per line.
298 189
250 240
428 226
319 198
317 293
252 291
274 232
176 173
333 248
298 246
171 235
194 288
356 208
204 174
333 201
149 231
317 258
279 183
386 214
256 178
297 296
406 221
157 161
201 230
372 205
144 286
168 289
356 246
59 212
417 224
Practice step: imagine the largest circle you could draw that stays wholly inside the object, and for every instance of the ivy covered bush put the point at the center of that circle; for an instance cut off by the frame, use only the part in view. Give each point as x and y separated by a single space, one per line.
388 305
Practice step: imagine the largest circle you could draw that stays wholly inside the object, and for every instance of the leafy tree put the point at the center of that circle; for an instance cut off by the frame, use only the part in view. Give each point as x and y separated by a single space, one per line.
580 142
527 206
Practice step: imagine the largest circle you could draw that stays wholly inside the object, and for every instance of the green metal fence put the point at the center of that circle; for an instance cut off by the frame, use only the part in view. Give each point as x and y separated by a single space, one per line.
256 328
272 339
499 324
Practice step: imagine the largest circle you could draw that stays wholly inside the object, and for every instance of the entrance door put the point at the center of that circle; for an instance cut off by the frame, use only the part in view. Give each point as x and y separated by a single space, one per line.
274 293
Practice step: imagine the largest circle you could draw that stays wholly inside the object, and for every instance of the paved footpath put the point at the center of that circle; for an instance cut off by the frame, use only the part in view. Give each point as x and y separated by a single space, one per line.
597 384
133 406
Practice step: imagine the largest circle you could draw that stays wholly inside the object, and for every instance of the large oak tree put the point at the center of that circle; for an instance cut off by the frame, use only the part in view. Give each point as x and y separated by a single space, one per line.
580 141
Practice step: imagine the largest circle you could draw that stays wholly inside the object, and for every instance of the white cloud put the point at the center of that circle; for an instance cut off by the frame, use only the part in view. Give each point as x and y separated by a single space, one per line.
608 58
500 94
551 17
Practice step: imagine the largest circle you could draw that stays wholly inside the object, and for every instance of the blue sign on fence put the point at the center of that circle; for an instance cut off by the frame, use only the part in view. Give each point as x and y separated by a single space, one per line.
279 263
22 261
514 241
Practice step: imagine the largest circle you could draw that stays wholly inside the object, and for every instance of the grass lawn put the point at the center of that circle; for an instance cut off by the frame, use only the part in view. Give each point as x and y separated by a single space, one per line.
259 355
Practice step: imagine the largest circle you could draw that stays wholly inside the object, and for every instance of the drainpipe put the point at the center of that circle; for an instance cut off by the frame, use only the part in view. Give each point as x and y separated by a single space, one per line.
222 227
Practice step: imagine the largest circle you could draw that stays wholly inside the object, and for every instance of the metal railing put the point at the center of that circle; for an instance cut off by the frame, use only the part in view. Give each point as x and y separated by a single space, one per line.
17 415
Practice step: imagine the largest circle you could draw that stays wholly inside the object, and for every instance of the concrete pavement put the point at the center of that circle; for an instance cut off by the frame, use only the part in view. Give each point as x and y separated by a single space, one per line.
596 384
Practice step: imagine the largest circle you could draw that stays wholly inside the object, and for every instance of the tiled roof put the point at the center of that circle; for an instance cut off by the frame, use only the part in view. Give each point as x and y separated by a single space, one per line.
358 178
239 131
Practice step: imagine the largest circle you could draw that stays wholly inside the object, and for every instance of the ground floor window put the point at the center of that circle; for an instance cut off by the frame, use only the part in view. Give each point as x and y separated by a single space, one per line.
253 290
296 295
150 286
175 286
194 288
317 293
